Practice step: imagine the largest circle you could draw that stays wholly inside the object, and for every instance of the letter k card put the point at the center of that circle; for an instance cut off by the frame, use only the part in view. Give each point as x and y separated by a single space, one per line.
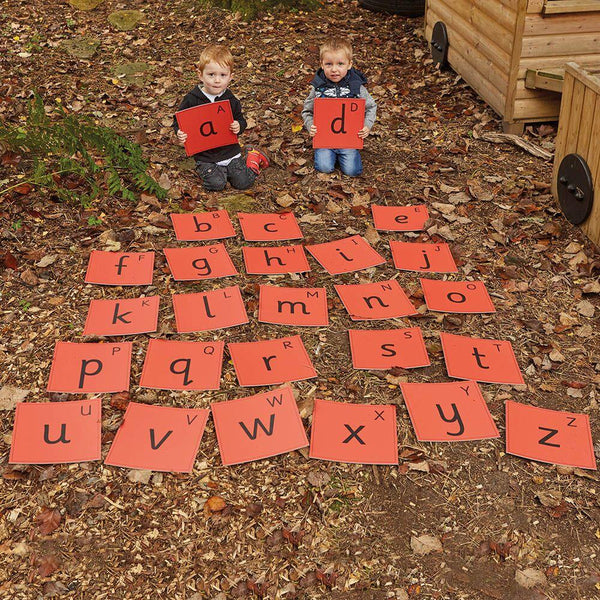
126 316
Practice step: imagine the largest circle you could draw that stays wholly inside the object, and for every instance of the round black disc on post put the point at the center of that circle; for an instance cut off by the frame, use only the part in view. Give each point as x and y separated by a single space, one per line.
439 44
575 188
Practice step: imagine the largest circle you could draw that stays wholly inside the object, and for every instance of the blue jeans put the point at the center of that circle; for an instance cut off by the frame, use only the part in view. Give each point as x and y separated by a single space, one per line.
348 158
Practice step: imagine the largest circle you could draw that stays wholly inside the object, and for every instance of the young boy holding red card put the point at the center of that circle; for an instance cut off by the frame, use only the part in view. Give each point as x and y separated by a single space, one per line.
337 78
219 165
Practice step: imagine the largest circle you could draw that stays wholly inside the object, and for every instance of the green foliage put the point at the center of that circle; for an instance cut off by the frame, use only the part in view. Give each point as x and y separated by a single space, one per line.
76 158
251 8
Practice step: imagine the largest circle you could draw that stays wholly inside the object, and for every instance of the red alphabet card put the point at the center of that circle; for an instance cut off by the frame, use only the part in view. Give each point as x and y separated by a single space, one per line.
207 126
372 301
426 258
275 260
489 361
448 412
125 316
158 438
90 368
354 433
550 436
346 255
56 432
383 349
198 227
258 426
200 262
175 365
457 296
338 121
206 311
293 306
400 218
269 227
271 362
120 268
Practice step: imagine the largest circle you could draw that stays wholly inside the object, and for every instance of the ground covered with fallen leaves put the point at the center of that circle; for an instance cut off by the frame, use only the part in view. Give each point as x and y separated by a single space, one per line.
460 520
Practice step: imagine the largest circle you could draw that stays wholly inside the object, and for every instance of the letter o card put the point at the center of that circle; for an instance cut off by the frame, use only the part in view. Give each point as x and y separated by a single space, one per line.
383 349
338 121
90 368
269 227
346 255
206 311
354 433
293 306
120 268
448 412
56 432
372 301
457 296
400 218
175 365
426 258
550 436
271 362
198 227
200 262
489 361
126 316
275 260
258 426
158 438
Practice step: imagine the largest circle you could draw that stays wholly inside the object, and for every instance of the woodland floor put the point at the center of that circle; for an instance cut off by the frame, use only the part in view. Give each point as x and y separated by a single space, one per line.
294 527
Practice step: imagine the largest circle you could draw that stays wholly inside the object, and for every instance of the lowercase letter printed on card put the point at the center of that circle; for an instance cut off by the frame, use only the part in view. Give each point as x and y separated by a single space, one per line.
346 255
199 227
293 306
124 316
400 218
269 227
120 268
457 296
423 257
338 121
200 262
275 260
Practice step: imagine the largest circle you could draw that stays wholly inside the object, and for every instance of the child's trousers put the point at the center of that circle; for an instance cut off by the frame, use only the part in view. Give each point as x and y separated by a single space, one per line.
348 158
215 177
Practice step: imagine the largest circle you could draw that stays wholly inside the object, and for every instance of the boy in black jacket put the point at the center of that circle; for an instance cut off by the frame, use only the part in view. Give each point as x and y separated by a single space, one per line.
225 163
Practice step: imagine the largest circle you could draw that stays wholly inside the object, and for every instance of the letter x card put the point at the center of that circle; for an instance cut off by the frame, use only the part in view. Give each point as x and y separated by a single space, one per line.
275 260
269 227
400 218
293 306
120 268
198 227
338 121
425 258
346 255
200 262
457 296
125 316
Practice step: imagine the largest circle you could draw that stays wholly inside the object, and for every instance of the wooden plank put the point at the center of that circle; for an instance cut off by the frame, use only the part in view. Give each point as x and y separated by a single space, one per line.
537 109
535 6
585 75
574 117
562 45
503 15
515 60
570 6
560 24
554 62
551 80
585 121
591 227
563 127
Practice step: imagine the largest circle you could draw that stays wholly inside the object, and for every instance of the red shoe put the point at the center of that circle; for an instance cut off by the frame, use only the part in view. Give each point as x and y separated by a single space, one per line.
256 160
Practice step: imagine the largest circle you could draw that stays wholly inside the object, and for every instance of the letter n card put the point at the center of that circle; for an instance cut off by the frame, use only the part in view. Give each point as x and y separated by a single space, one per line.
448 412
175 365
293 306
550 436
126 316
271 362
354 433
158 438
372 301
258 426
56 432
120 268
425 258
269 227
346 255
90 368
338 121
198 227
457 296
275 260
200 262
489 361
400 218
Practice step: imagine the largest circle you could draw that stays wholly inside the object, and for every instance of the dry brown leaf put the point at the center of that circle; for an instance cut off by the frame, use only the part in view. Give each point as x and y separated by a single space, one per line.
48 520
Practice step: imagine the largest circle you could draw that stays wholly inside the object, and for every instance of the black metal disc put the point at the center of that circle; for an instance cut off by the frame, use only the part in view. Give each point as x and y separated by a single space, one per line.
575 188
439 44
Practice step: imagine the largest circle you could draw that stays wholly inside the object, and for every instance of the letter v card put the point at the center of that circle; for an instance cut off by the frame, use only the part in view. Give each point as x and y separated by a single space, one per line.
258 426
346 255
56 432
120 268
354 433
158 438
125 316
199 227
293 306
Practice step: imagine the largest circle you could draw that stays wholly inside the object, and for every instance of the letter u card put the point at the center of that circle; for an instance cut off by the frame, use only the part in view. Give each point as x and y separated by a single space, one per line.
338 121
56 432
158 438
120 268
448 412
457 296
200 262
126 316
197 227
293 306
400 218
425 258
258 426
550 436
346 255
269 227
354 433
275 260
90 368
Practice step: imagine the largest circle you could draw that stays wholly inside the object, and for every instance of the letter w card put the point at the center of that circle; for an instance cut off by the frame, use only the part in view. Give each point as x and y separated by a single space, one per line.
448 412
125 316
198 227
338 121
258 426
158 438
349 254
120 268
56 432
457 296
399 218
550 436
293 306
269 227
354 433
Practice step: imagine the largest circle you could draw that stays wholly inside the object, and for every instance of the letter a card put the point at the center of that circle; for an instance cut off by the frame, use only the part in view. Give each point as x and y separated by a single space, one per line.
275 260
293 306
56 432
426 258
90 368
448 412
271 362
200 262
489 361
269 227
158 438
258 426
550 436
346 255
457 296
120 268
400 218
199 227
175 365
126 316
354 433
338 121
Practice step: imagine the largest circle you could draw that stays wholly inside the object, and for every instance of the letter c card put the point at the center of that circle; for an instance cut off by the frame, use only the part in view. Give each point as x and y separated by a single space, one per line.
269 227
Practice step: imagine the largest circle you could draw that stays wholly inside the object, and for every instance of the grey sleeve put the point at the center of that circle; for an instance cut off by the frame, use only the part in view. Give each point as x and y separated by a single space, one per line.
370 107
308 109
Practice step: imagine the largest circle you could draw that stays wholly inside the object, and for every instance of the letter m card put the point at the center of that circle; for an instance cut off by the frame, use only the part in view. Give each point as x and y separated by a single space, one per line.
338 121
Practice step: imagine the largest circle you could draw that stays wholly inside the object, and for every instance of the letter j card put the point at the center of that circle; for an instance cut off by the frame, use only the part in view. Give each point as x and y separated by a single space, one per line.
338 121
